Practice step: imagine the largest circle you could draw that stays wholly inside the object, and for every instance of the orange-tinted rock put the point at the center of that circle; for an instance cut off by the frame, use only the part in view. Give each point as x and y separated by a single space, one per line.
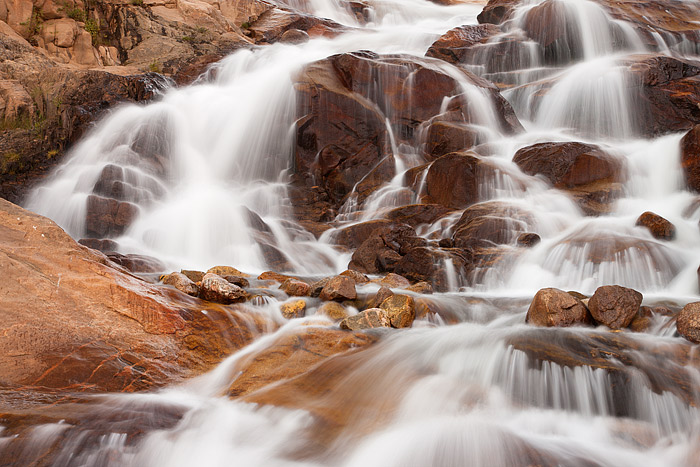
384 249
214 288
194 276
400 309
688 322
339 288
294 36
497 11
614 306
421 287
295 288
137 263
226 271
446 137
368 319
358 277
394 280
241 282
453 180
353 236
182 283
659 227
295 309
382 294
556 308
333 310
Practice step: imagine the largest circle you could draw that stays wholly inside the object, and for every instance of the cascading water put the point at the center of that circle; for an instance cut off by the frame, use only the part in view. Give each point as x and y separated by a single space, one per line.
205 160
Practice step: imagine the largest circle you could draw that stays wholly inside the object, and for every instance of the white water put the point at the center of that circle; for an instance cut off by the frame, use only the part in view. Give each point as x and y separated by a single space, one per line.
464 395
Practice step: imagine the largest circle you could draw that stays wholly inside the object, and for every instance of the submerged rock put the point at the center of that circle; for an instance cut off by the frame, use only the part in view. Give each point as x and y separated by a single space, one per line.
333 310
614 306
556 308
295 309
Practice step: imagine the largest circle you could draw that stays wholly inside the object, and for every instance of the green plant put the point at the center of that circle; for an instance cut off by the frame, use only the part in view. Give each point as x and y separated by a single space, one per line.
189 39
154 66
10 162
245 25
202 30
93 27
51 153
137 2
77 14
34 23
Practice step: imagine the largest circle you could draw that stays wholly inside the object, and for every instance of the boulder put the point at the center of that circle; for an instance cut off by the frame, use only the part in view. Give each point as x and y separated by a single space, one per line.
688 322
454 179
384 249
272 25
214 288
194 276
137 263
296 288
358 277
394 281
295 309
181 282
415 215
614 306
421 287
368 319
659 227
690 158
333 310
294 36
354 235
226 271
490 223
400 309
447 137
556 308
382 294
528 239
241 282
497 11
107 217
339 288
453 45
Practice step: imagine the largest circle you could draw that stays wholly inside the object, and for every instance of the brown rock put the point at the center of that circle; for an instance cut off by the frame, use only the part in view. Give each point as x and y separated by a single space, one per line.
294 36
490 223
358 277
528 239
400 309
295 288
421 287
333 310
295 309
339 288
394 281
690 158
194 276
317 287
382 294
497 11
241 282
215 288
368 319
384 249
107 217
354 235
418 214
556 308
688 322
447 137
226 271
453 45
453 180
275 276
137 263
614 306
181 282
659 227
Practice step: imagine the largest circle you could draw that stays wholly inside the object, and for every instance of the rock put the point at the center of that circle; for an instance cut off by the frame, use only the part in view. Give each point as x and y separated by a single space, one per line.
614 306
490 223
72 320
497 11
556 308
295 288
103 245
688 322
275 276
295 309
353 236
690 158
227 271
382 294
181 282
452 45
339 288
241 282
368 319
215 288
394 281
358 277
430 265
415 215
453 180
194 276
421 288
333 310
273 24
400 309
294 36
107 217
384 249
447 137
137 263
659 227
528 239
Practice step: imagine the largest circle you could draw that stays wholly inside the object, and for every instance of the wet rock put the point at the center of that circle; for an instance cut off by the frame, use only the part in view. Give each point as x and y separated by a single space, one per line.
295 309
688 322
453 180
418 214
295 288
339 288
400 309
273 24
642 320
528 239
194 276
294 36
453 45
103 245
368 319
241 282
354 235
333 310
107 217
384 249
274 257
447 137
421 287
181 282
614 306
358 277
226 271
382 294
137 263
275 276
556 308
497 11
659 227
490 223
690 158
214 288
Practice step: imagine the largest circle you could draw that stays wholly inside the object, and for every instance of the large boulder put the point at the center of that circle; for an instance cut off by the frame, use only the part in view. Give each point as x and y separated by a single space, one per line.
73 319
491 223
215 288
556 308
614 306
455 43
660 228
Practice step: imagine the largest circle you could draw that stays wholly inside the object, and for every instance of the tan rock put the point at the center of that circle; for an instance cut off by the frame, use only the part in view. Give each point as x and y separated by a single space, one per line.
339 288
295 309
60 32
194 276
368 319
181 282
215 288
400 309
333 310
17 101
83 53
296 288
394 281
382 294
358 277
19 16
227 271
421 287
688 322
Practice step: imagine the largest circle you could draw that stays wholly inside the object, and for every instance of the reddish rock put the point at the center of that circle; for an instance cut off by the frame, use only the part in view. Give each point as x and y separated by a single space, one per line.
339 288
384 249
659 227
353 236
688 322
295 288
528 239
452 46
453 180
137 263
690 158
421 288
194 276
317 287
418 214
382 294
241 282
429 265
614 306
358 277
215 288
107 217
292 310
556 308
497 11
400 309
294 36
490 223
446 137
368 319
273 24
181 282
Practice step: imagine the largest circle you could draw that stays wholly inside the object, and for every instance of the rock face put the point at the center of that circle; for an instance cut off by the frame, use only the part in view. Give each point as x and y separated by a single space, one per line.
659 227
688 322
614 306
556 308
72 320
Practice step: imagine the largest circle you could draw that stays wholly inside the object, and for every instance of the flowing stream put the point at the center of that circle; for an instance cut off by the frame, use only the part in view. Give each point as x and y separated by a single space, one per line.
473 392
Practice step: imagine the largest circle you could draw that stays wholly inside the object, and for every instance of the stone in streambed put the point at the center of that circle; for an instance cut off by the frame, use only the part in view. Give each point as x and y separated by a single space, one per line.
528 239
358 277
333 310
368 319
241 282
688 322
295 309
295 288
400 309
556 308
394 280
382 294
227 271
421 287
181 282
215 288
194 276
659 227
339 288
614 306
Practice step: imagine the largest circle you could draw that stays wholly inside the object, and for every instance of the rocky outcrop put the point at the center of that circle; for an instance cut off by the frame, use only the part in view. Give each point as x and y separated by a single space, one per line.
74 320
